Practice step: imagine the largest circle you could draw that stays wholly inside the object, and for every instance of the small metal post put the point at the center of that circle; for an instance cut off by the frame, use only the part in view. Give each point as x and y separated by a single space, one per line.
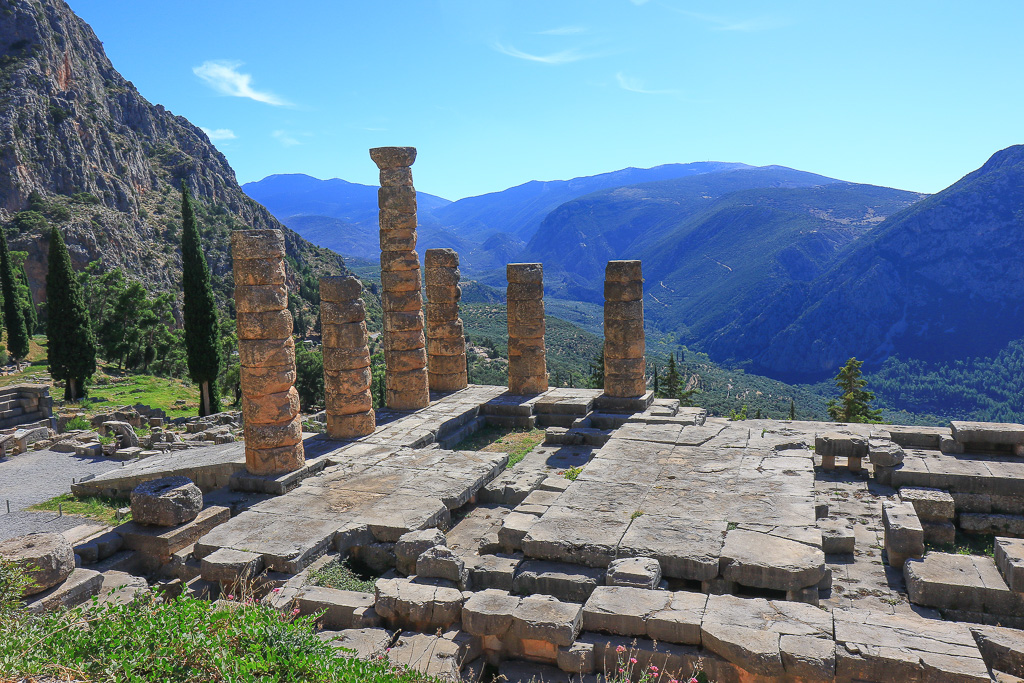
8 507
60 509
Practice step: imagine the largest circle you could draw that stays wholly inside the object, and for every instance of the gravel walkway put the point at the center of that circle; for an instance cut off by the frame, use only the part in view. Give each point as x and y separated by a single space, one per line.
36 476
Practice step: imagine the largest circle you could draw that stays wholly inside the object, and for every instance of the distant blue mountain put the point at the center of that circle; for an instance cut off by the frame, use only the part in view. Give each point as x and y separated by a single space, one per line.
520 210
297 194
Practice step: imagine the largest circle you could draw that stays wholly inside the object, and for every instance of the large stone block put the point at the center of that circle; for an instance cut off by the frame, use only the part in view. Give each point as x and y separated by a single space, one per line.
262 298
271 461
1010 560
623 271
336 359
634 572
931 505
524 273
276 408
904 536
402 321
623 611
400 280
679 622
567 582
255 353
397 198
345 336
761 560
340 313
269 436
389 158
349 404
259 272
167 501
340 288
47 559
410 546
419 606
448 365
623 291
267 325
270 379
349 382
257 244
489 613
547 619
406 361
351 426
402 302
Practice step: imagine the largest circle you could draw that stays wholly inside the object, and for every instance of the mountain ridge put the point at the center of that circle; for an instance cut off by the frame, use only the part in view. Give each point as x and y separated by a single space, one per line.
107 164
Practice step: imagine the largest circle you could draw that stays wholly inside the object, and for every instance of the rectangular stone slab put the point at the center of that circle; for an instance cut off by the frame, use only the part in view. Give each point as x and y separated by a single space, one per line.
685 548
565 535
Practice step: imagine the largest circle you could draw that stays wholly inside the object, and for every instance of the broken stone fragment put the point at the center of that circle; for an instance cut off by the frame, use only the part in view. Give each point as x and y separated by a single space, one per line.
168 501
48 559
388 158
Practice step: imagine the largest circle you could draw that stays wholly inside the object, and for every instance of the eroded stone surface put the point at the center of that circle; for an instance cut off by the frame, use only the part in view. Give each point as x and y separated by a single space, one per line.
166 502
46 558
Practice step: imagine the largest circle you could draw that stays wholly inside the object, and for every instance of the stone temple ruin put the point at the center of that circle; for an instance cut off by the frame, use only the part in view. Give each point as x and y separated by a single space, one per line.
758 550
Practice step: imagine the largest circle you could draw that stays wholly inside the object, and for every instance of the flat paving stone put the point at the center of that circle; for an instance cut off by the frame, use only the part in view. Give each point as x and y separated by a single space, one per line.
766 561
875 646
748 631
623 611
968 583
363 643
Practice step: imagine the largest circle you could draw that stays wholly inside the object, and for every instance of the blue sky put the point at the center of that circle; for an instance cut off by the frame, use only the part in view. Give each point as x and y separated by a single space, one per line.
906 94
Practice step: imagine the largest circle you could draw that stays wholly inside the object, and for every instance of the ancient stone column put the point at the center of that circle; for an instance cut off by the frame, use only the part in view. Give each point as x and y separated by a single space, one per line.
346 358
527 364
270 404
624 330
405 352
446 341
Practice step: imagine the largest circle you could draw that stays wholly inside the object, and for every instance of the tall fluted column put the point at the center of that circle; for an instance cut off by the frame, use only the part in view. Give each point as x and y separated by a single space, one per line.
624 330
446 341
405 352
270 403
346 358
527 364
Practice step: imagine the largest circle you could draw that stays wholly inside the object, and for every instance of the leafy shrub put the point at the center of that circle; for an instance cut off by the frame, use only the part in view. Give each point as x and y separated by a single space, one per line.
58 114
573 472
85 198
77 422
340 575
184 640
30 221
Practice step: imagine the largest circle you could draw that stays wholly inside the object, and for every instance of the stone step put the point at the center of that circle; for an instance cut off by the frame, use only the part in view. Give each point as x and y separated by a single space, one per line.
79 587
576 436
452 439
604 420
998 524
968 587
1009 558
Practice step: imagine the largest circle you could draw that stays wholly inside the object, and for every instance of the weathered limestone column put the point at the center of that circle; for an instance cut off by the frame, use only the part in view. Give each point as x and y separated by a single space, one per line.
624 330
527 364
405 352
446 340
346 358
270 403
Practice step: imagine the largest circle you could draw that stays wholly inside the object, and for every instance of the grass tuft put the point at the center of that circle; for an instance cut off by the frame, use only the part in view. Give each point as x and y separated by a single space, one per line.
340 575
515 441
100 508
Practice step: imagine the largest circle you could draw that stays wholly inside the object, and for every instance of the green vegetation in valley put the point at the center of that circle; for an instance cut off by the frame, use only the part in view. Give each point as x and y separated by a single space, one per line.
173 395
100 508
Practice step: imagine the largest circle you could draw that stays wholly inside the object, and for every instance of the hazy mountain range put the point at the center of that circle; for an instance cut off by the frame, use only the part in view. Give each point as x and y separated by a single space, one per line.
777 270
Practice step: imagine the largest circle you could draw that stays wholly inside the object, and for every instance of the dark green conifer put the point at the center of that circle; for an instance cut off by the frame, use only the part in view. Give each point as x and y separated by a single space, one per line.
14 314
200 312
71 347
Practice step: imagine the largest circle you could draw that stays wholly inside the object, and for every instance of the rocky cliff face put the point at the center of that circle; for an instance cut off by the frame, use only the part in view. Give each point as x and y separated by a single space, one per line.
106 163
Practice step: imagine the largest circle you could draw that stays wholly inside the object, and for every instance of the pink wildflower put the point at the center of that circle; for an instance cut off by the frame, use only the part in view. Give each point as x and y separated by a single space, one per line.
295 611
632 660
654 668
276 590
621 670
231 597
620 648
694 680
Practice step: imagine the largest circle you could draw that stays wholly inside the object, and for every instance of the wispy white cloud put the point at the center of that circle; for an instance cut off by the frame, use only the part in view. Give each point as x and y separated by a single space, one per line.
563 31
224 77
217 134
285 138
719 23
563 57
635 85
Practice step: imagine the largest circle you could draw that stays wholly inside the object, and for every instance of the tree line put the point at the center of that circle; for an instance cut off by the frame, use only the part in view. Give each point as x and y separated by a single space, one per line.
110 313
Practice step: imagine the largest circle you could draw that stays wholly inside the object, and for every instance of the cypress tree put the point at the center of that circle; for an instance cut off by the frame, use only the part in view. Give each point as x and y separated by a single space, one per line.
201 343
71 347
29 306
792 409
14 315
